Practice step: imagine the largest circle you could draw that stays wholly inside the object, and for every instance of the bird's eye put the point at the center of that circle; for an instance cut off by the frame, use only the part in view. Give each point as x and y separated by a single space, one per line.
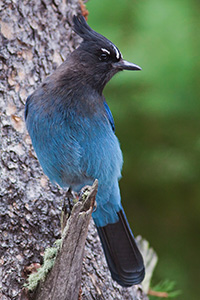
104 57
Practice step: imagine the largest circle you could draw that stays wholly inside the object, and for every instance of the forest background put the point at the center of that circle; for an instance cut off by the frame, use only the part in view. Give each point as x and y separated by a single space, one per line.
157 118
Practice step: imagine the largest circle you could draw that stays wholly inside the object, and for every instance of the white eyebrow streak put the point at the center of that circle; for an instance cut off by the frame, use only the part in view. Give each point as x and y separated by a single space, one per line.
105 50
116 52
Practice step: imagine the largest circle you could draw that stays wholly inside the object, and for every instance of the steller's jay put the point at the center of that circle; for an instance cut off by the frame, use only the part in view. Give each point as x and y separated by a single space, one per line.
72 132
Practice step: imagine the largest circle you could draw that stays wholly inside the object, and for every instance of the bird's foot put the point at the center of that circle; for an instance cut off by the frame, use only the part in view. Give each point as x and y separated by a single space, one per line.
67 206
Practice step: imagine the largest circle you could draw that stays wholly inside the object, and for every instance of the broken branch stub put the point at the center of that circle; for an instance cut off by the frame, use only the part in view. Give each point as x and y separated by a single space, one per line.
64 280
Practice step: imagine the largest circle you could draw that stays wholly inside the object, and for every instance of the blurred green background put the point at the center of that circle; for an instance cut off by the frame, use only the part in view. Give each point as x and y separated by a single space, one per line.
157 118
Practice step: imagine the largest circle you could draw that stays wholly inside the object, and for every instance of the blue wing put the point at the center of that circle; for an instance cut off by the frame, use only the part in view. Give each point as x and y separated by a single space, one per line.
109 115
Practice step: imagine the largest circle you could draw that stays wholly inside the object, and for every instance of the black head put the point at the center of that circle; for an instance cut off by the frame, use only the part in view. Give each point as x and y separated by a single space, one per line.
98 55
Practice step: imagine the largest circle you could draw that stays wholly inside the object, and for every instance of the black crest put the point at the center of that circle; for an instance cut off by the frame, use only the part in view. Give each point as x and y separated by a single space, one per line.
89 35
83 29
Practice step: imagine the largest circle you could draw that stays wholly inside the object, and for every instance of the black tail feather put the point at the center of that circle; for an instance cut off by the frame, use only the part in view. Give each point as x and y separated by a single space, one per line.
122 254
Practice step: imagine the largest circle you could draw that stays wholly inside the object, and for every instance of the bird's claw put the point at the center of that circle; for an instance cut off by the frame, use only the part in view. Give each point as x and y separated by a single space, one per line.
94 207
67 206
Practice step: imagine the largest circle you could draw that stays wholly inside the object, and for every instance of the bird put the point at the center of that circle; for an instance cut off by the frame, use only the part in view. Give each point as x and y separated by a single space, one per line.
73 134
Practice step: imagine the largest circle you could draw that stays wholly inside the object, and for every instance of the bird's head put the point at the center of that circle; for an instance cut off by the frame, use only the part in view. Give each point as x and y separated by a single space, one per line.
98 57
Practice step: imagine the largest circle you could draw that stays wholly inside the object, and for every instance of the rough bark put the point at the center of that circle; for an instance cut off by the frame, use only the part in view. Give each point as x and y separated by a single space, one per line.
64 283
35 38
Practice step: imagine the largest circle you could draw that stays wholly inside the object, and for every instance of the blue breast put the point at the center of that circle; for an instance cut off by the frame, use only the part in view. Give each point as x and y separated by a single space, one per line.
76 146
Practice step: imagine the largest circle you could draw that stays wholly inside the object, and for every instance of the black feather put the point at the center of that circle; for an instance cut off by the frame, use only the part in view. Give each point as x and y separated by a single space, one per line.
88 34
122 254
81 27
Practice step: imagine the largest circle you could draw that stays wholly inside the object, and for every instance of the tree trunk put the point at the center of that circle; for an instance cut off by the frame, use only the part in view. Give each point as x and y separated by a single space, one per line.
35 38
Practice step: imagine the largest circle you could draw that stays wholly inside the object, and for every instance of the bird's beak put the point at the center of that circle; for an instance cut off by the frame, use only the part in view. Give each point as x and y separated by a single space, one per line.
126 65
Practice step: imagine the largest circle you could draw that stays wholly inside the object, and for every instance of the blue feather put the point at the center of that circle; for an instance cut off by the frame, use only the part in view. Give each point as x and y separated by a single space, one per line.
110 117
74 149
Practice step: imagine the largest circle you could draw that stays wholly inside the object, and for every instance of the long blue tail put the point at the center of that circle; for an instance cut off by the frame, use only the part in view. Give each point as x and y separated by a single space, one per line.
122 254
